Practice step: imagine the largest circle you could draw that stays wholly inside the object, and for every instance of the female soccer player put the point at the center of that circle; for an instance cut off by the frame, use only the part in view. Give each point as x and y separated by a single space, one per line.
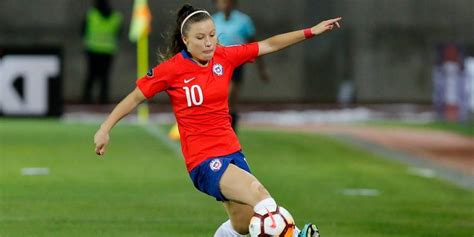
197 80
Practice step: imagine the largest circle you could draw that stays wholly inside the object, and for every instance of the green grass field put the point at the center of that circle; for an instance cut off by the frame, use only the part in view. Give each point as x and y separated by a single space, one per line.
464 128
141 187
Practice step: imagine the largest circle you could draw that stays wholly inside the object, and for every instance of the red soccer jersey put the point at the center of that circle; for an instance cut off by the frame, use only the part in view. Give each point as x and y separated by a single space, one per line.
199 96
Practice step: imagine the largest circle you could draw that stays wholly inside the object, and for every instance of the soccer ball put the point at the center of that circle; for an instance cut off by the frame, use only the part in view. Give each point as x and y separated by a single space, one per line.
275 222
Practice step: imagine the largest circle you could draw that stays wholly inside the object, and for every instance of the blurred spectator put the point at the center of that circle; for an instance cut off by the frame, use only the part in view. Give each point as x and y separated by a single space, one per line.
234 27
469 63
346 93
449 79
101 29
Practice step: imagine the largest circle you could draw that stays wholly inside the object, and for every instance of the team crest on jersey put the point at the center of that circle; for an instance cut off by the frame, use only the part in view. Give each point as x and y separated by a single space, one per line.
218 69
150 73
215 165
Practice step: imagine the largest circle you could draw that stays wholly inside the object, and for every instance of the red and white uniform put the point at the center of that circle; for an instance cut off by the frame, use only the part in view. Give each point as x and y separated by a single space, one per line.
199 96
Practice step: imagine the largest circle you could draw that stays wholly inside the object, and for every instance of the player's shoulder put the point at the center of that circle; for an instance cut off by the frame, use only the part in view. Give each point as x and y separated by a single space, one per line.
226 47
168 67
221 50
170 64
236 46
226 52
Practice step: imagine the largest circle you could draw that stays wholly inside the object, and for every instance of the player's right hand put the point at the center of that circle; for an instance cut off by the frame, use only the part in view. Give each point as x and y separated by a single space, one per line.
326 25
101 139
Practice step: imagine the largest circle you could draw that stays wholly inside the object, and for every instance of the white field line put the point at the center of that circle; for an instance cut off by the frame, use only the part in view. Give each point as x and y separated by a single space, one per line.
161 136
360 192
30 171
421 167
422 172
97 118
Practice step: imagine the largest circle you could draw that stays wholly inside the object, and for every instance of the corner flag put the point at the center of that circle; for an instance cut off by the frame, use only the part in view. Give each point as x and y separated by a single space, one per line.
141 21
139 29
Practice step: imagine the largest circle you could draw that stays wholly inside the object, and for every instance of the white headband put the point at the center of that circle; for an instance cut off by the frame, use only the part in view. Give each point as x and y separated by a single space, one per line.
190 15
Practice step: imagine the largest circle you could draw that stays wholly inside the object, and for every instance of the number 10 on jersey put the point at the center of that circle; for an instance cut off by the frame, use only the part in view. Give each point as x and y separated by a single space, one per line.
191 95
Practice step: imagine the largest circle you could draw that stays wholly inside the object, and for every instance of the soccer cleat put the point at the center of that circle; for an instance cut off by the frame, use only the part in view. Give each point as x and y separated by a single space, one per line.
309 230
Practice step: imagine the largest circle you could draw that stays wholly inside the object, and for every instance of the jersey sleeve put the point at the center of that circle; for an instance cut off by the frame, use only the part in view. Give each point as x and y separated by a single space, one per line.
240 54
155 81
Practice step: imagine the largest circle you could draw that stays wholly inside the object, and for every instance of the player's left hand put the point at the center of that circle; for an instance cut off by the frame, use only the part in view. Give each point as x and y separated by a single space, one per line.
101 139
326 25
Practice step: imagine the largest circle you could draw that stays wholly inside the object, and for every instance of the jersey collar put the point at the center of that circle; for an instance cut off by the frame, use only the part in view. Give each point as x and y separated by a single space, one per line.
187 56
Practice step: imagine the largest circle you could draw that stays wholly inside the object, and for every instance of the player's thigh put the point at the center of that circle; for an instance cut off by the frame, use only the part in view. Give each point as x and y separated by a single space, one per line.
240 186
239 215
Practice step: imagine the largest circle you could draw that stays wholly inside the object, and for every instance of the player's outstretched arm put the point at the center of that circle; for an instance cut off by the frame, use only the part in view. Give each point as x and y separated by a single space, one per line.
101 138
282 41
